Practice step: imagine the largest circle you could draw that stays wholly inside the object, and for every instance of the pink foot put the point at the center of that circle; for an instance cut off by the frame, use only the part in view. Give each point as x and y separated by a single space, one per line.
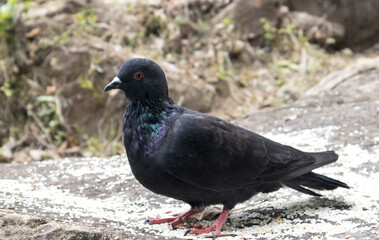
214 228
176 221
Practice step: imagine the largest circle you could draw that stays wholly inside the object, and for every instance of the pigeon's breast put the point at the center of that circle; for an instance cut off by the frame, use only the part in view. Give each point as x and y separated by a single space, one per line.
157 137
143 139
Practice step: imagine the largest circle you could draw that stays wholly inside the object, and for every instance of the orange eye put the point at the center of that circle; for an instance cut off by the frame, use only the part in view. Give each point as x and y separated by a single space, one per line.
138 75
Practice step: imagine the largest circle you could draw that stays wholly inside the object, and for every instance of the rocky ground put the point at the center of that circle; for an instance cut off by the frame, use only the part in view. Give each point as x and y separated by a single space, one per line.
98 198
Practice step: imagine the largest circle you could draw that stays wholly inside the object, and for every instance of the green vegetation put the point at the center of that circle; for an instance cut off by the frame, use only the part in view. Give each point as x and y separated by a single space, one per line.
285 38
85 83
224 68
87 20
9 11
295 57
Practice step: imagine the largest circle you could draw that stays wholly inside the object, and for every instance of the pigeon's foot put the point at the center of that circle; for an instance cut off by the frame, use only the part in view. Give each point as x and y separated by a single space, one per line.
215 228
176 221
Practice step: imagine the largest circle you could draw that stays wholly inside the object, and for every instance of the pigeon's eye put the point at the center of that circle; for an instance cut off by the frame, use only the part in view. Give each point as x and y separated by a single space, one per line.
138 75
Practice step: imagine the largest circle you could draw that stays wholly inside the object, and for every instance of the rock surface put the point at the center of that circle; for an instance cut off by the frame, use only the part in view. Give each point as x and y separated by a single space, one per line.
96 198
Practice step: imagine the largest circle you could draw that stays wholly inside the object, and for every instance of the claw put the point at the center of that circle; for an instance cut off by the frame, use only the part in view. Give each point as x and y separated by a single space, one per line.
146 221
214 228
174 222
186 232
172 226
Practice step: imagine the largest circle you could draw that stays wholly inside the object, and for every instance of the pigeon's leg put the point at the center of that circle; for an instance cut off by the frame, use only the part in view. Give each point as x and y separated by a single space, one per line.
215 227
175 221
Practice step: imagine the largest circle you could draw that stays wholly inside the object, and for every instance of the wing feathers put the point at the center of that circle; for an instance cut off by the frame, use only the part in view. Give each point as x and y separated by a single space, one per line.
216 155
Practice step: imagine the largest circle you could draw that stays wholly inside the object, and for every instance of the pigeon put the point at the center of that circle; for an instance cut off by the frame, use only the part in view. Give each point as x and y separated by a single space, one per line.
201 159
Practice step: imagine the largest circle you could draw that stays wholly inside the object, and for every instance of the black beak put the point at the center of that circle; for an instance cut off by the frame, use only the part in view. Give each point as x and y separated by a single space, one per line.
113 85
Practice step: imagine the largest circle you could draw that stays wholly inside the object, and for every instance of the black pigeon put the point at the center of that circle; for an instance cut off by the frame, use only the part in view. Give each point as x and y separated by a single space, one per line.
201 159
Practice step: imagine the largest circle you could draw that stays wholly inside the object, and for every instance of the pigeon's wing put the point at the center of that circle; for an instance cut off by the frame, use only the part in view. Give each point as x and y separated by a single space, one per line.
210 153
287 162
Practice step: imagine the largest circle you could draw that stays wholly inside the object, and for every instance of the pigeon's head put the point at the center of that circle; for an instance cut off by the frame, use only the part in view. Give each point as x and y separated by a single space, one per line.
140 79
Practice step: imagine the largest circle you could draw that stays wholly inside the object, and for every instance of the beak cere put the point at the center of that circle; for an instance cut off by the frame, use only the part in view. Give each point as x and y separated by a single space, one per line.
113 85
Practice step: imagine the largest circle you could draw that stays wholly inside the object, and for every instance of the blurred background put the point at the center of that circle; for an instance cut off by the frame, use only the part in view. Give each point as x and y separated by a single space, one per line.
224 57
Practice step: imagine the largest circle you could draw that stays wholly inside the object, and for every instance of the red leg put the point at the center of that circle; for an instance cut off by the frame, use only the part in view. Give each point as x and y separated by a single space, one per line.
215 227
175 221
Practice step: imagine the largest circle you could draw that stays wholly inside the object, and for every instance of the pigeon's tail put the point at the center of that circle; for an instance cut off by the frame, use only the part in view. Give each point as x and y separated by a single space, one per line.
314 180
322 158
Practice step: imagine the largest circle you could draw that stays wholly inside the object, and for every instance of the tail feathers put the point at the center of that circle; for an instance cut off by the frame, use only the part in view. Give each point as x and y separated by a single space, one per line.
314 181
323 158
301 189
299 168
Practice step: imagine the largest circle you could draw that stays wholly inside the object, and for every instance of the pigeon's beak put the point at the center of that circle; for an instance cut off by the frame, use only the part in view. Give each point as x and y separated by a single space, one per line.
113 85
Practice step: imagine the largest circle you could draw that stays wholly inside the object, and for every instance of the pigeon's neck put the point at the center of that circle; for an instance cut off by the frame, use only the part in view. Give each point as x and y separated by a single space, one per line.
146 119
